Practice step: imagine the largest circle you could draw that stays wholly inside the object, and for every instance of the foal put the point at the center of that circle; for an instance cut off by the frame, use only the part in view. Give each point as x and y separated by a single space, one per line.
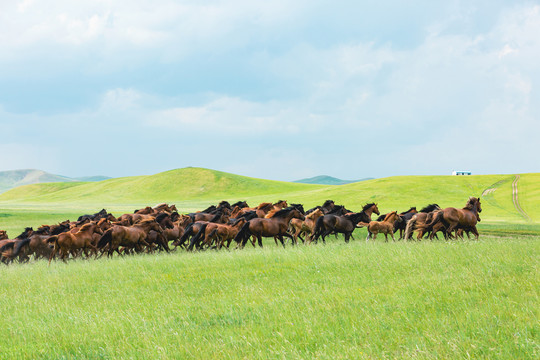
386 227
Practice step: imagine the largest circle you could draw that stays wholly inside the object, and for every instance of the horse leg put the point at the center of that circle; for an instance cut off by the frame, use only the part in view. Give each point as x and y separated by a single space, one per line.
55 250
386 237
280 237
368 235
475 232
259 239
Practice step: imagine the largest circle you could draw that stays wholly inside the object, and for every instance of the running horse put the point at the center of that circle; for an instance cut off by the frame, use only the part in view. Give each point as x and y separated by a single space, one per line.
454 219
344 224
276 226
385 227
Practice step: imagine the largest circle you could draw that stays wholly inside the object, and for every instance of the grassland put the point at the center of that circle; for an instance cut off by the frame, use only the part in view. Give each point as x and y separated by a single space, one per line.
340 301
192 189
426 300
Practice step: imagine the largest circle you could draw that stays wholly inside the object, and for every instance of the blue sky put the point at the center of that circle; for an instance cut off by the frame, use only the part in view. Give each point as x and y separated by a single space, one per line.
279 90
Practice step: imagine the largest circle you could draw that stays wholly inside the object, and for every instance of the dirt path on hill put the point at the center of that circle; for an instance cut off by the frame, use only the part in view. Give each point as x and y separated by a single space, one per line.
516 200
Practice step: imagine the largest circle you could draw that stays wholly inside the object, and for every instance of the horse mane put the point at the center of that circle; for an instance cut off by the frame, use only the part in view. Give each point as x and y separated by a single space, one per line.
224 204
261 206
327 203
299 207
367 206
271 213
240 204
411 209
356 217
161 216
43 230
86 226
25 233
216 217
312 214
471 203
389 214
430 208
283 212
209 209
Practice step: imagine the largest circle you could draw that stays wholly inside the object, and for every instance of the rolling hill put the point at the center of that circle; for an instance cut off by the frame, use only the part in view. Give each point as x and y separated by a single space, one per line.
327 180
14 178
194 188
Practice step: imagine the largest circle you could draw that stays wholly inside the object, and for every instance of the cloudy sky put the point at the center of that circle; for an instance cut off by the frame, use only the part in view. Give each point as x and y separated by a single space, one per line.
270 89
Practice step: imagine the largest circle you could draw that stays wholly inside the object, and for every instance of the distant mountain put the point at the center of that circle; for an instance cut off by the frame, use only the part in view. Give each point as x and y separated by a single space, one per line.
327 180
13 178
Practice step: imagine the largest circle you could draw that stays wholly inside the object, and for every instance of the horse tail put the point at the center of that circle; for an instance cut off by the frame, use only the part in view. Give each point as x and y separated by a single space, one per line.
436 219
409 228
4 255
195 240
17 248
105 239
317 231
212 233
243 235
7 246
186 234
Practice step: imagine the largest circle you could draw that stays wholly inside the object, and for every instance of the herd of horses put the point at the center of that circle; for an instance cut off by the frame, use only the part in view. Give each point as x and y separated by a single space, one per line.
163 228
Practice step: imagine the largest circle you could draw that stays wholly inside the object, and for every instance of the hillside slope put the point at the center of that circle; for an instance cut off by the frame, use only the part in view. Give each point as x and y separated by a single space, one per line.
327 180
194 188
13 178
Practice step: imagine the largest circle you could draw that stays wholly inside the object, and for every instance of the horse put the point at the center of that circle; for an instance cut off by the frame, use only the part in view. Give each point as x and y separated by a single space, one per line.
275 226
401 223
130 237
325 208
3 235
298 227
68 242
418 221
344 224
386 226
454 219
219 232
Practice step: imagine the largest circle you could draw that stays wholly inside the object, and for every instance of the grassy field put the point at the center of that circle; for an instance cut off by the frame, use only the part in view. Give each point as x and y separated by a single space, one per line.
193 189
427 300
339 301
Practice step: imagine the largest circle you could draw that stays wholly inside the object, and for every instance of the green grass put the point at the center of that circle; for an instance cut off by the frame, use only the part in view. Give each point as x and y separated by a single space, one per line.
340 301
426 300
193 189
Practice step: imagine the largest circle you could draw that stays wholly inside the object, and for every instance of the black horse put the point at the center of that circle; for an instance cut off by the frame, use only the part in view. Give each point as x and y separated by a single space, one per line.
343 224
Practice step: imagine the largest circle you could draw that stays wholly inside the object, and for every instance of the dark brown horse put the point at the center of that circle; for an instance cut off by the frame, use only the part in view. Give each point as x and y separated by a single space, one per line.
275 226
70 243
132 237
454 219
344 224
418 221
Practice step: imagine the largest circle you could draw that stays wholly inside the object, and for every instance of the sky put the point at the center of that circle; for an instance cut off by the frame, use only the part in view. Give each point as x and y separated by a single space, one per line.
277 89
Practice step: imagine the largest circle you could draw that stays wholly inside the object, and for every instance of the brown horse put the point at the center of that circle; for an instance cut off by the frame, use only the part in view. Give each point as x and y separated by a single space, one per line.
454 219
218 232
299 227
386 226
130 237
3 235
418 221
70 243
344 224
275 226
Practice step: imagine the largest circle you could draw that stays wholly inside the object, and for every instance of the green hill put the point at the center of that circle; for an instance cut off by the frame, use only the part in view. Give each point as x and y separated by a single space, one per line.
195 188
327 180
14 178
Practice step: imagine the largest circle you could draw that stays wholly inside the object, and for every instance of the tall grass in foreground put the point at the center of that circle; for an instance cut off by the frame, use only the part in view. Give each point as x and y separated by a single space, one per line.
357 300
